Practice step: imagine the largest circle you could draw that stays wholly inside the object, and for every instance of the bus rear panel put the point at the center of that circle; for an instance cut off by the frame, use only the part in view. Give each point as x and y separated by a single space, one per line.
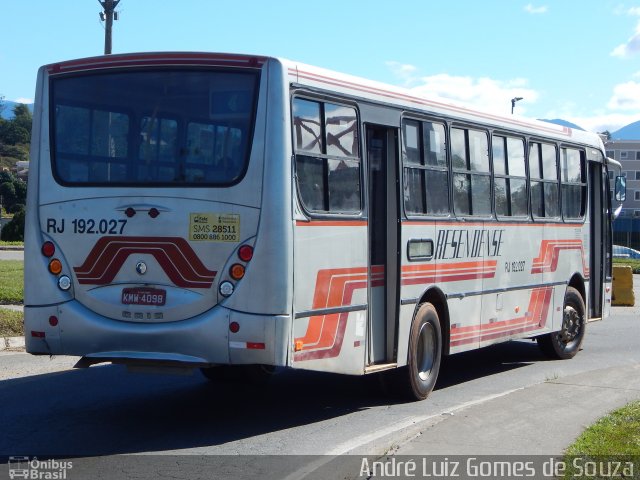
144 226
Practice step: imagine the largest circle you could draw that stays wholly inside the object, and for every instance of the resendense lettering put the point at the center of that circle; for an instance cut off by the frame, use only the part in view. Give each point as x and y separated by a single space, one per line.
459 243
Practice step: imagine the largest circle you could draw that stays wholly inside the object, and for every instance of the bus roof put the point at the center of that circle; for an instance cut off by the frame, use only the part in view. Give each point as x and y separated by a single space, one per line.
308 75
322 78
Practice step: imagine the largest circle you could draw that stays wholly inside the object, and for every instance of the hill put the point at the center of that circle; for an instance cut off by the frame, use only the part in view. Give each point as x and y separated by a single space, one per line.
628 132
7 112
564 123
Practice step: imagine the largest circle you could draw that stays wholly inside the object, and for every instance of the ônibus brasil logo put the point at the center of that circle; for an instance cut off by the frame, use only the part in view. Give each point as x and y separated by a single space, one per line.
24 467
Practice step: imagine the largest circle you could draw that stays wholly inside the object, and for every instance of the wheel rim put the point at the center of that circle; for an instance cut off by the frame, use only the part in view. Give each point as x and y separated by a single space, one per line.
426 351
571 325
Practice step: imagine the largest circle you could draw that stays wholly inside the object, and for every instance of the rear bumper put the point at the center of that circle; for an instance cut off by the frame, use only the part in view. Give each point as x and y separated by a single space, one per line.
198 341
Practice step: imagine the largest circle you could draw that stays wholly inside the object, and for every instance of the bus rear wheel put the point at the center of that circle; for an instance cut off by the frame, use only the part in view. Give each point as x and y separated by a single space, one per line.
566 343
425 353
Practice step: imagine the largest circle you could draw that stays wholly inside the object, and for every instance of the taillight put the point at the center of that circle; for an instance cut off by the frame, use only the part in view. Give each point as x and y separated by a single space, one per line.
236 271
64 283
55 266
226 289
245 253
48 249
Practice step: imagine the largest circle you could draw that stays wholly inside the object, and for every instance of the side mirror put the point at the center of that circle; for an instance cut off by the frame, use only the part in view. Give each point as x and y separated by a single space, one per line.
621 189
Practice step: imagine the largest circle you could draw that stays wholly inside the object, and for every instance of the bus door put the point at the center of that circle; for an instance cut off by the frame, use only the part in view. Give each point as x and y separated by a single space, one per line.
382 161
599 246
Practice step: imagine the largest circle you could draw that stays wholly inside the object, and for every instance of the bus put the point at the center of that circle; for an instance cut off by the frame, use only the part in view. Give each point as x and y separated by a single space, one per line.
236 214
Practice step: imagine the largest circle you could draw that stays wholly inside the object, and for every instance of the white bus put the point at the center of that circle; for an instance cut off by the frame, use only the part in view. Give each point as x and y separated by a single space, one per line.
230 213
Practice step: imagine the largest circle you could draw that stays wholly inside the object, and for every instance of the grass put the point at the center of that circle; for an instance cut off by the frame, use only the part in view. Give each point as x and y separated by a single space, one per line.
634 263
11 282
614 439
11 292
4 243
11 323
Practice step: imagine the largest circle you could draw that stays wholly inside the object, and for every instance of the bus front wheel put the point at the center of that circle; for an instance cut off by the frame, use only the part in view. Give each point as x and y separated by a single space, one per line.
566 343
425 352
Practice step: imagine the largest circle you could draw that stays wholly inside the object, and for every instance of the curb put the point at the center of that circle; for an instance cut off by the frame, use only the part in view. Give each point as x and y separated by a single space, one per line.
11 344
12 247
12 307
493 427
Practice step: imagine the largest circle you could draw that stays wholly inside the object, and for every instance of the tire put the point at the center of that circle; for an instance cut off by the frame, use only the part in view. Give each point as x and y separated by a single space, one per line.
566 343
425 353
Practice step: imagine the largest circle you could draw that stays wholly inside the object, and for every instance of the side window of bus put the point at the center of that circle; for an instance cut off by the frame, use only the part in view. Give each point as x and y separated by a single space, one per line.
543 170
426 170
574 183
326 145
510 184
471 174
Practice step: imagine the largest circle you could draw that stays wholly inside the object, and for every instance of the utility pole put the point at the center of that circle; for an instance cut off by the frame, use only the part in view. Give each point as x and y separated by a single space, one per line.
109 14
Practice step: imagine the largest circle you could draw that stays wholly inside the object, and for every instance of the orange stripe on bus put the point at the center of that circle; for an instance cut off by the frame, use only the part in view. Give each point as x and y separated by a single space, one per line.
448 266
335 288
489 223
539 303
549 255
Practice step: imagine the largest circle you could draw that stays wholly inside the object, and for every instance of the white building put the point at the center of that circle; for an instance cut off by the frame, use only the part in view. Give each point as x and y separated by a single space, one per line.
627 152
626 229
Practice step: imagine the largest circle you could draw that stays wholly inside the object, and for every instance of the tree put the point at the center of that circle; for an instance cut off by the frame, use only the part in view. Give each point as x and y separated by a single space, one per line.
607 134
8 192
12 133
6 177
21 191
22 117
14 230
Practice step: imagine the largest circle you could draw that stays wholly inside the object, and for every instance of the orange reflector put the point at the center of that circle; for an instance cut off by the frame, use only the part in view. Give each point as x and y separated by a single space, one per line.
299 345
55 266
236 271
517 309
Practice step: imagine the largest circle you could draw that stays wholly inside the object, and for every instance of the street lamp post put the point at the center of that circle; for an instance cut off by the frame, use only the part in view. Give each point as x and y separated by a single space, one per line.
513 103
109 15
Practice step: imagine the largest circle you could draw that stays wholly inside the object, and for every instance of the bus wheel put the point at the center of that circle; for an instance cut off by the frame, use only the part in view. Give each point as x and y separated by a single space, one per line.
425 351
566 343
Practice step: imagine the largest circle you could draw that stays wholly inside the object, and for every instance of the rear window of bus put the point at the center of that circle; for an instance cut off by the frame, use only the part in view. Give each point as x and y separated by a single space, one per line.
167 127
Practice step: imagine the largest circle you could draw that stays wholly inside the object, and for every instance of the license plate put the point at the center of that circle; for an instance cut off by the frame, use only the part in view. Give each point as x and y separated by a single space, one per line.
144 296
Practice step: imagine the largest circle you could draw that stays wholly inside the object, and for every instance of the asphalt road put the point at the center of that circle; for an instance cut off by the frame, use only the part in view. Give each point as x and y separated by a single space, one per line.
50 410
11 254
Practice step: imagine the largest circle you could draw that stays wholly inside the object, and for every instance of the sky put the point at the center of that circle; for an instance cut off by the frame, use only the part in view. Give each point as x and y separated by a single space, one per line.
578 60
